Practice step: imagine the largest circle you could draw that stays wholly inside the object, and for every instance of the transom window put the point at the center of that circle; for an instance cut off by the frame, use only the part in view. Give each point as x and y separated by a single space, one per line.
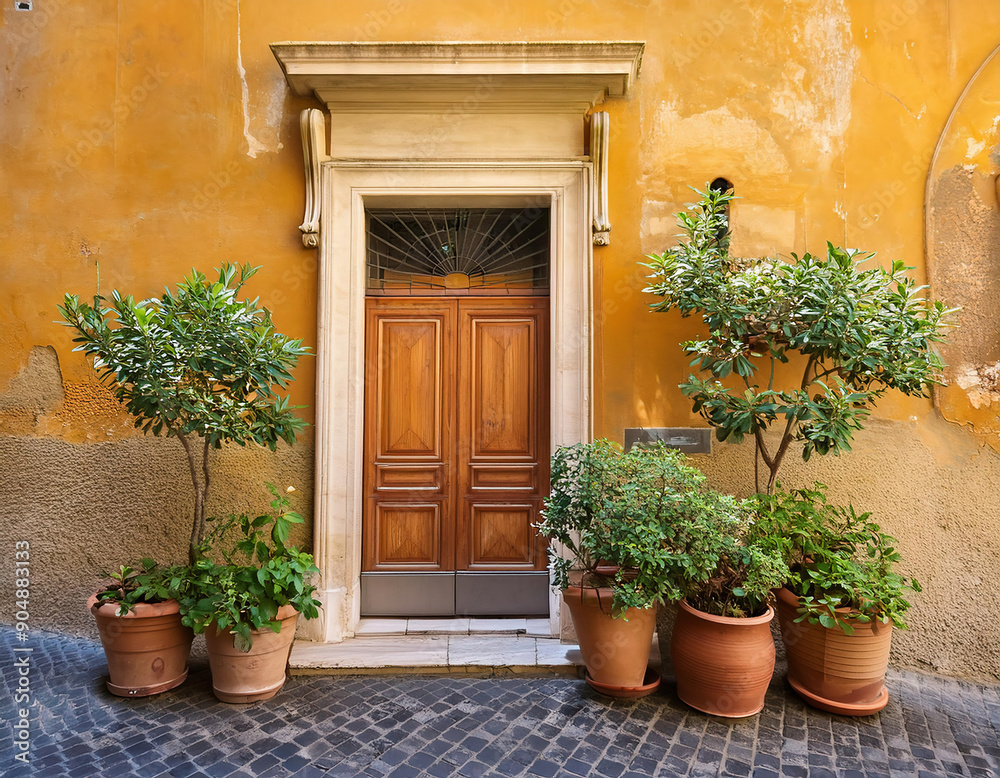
458 250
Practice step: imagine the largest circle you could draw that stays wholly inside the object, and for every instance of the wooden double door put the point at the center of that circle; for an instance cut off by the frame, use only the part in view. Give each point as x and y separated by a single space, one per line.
456 456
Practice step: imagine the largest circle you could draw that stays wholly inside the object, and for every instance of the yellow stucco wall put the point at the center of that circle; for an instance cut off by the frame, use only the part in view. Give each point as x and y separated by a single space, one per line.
153 137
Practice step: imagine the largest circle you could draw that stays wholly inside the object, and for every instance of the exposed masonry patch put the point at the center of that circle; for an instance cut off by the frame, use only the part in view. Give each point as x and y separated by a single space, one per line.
38 386
981 383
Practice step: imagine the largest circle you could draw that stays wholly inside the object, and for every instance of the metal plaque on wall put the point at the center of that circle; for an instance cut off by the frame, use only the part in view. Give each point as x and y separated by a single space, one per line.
690 440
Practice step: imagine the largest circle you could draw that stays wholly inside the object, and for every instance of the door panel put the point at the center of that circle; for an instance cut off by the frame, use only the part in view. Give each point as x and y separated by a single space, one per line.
409 402
408 534
409 389
502 534
502 479
504 381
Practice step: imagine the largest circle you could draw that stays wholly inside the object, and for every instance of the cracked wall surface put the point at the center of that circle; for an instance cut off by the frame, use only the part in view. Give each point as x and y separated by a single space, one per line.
142 139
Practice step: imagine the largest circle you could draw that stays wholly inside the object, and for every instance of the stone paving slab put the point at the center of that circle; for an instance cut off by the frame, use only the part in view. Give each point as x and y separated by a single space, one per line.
472 726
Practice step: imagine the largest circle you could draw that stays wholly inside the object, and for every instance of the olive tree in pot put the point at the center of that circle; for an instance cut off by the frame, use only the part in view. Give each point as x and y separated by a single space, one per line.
197 364
621 521
851 334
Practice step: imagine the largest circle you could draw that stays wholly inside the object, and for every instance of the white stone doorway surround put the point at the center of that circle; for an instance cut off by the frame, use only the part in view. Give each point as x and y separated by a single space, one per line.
350 187
517 140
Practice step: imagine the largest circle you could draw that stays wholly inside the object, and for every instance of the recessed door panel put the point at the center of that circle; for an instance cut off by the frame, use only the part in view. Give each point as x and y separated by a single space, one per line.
502 535
409 387
408 534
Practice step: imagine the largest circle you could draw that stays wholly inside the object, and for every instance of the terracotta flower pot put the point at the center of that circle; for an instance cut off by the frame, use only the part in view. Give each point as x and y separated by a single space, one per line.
831 670
615 651
723 665
147 649
257 675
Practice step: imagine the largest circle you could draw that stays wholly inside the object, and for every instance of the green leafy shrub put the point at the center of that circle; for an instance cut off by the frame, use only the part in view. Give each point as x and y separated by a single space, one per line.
127 587
649 514
245 572
841 563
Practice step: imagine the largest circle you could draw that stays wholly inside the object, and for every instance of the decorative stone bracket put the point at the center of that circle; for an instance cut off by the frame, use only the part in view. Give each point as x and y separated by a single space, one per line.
312 123
600 124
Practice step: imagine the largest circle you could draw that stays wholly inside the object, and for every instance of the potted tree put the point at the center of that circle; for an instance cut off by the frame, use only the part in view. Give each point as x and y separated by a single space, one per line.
197 364
840 602
246 595
848 335
618 519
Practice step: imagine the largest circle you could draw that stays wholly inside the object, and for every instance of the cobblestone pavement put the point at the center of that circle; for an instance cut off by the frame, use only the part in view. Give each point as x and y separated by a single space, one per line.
463 726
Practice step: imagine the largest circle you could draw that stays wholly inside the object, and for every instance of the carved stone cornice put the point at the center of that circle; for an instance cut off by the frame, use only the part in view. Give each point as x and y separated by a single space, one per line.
537 77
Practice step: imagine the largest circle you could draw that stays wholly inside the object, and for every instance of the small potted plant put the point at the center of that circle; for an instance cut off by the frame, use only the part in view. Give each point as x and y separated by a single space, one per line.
721 645
197 364
246 592
840 602
617 519
139 621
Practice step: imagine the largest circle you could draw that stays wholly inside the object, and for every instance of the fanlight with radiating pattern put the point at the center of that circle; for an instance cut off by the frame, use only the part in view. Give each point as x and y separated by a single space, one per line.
458 251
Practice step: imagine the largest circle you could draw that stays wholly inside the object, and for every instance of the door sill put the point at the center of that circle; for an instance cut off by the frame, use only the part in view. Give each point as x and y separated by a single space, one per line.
493 655
462 625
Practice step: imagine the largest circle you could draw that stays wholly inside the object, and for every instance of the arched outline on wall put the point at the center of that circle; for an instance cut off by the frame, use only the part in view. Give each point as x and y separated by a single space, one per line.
929 184
991 65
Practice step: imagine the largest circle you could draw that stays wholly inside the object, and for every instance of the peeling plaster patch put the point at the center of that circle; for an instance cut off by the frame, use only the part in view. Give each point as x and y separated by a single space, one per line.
825 102
974 148
253 145
38 386
724 130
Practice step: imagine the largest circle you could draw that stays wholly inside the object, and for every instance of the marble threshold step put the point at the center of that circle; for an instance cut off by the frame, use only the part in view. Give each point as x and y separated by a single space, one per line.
440 646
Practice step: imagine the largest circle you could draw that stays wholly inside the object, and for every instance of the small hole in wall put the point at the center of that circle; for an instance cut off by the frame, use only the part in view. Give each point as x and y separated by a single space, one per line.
22 5
723 185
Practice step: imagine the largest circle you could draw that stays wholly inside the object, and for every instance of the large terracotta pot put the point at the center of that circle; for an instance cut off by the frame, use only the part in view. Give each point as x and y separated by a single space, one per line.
832 670
147 649
615 651
723 665
257 675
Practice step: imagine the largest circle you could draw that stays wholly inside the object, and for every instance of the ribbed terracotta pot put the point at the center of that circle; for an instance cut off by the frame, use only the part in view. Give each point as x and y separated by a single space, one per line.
147 649
614 650
258 675
723 665
831 670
